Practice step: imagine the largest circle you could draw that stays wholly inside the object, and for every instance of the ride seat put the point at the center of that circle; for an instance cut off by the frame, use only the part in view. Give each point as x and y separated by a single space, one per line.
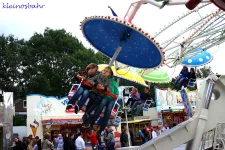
147 104
72 90
191 83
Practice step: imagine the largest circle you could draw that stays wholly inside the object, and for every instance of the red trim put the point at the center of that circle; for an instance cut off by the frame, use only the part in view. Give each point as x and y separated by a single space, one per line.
191 4
216 3
102 91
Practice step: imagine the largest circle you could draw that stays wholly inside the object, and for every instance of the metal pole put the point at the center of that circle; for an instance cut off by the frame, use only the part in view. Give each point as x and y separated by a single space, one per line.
115 55
209 94
128 133
137 6
157 4
149 85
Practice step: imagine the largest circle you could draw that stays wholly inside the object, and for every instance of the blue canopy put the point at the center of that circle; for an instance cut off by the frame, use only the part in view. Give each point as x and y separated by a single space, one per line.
200 59
106 34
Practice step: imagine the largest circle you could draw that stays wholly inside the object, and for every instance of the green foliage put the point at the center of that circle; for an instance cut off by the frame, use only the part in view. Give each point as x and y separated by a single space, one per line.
203 72
19 120
44 64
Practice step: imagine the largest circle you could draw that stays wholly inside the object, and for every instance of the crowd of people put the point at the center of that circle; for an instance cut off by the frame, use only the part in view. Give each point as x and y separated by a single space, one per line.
146 134
99 140
184 77
103 140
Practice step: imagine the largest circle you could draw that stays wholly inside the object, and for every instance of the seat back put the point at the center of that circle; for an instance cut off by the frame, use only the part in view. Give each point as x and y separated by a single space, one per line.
147 104
191 83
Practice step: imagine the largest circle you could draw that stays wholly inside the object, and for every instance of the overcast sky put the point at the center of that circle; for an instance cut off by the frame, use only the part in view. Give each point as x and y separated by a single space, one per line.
67 14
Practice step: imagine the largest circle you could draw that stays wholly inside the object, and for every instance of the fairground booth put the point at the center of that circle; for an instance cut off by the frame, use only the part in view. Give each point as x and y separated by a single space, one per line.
47 114
170 106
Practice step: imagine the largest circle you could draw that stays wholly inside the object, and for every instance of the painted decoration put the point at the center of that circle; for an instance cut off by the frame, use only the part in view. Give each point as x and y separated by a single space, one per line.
186 102
171 101
168 99
200 59
48 112
107 34
34 126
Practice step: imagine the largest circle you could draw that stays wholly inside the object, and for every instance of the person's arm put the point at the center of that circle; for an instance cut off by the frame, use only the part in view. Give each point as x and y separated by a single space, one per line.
93 80
138 95
83 144
107 87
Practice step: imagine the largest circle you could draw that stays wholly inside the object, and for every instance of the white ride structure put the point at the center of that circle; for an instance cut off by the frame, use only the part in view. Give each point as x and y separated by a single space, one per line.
206 31
208 116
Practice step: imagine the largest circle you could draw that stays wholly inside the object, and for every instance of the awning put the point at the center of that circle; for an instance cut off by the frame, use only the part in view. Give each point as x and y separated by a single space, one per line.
136 121
62 121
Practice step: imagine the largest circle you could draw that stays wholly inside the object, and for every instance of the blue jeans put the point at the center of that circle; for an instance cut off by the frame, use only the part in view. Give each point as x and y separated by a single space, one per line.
111 146
139 108
98 110
108 110
81 91
76 95
182 82
134 105
177 81
93 103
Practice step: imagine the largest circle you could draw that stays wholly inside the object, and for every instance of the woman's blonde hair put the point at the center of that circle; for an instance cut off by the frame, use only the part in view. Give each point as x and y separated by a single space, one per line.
135 89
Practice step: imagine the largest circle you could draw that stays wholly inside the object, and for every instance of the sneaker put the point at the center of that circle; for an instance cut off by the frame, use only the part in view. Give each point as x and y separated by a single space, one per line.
76 109
69 106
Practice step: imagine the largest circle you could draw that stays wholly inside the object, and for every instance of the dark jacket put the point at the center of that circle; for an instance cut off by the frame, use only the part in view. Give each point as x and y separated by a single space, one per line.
184 73
19 146
71 145
39 144
191 76
25 145
145 96
124 139
65 141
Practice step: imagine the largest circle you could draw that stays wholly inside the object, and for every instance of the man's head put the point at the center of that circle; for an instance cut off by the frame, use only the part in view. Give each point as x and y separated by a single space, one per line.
147 89
78 130
80 134
37 138
185 68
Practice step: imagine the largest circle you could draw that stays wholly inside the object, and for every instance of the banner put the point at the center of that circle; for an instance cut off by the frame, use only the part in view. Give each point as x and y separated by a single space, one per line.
186 102
171 101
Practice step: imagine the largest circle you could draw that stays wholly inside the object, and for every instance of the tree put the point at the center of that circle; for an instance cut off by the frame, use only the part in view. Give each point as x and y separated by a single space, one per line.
19 120
10 66
203 72
44 64
53 58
